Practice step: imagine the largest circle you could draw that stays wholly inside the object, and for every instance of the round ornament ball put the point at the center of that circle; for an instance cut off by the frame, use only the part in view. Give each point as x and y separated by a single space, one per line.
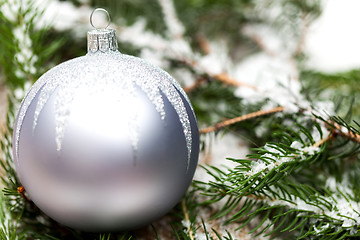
105 141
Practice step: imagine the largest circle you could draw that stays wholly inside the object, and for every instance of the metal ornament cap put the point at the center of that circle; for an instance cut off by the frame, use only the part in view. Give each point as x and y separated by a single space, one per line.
101 40
105 141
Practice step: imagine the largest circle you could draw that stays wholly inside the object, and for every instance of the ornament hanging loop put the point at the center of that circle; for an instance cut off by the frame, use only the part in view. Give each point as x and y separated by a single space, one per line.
102 10
101 39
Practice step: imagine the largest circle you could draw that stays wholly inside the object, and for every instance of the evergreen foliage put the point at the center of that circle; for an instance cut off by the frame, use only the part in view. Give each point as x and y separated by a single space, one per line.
301 178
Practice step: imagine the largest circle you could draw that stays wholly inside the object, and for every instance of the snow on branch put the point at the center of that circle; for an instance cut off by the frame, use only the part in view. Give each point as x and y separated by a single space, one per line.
15 12
175 27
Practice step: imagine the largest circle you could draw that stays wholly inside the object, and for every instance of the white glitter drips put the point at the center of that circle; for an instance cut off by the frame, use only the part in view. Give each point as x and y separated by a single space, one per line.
44 95
174 98
181 90
152 91
65 96
161 80
24 107
73 75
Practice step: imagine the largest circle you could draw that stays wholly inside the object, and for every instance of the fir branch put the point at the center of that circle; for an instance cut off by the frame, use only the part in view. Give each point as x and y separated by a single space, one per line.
268 189
350 134
240 118
26 49
323 141
174 26
341 127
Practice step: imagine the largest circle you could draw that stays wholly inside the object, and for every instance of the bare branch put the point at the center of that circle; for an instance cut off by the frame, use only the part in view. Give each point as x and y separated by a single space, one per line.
240 119
187 219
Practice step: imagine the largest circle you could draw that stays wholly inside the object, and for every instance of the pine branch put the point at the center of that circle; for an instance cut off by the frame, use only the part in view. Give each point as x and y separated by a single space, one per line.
266 188
25 47
350 134
341 127
240 119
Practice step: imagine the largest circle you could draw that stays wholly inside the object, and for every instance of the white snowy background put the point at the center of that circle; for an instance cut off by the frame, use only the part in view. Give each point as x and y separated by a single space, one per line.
333 40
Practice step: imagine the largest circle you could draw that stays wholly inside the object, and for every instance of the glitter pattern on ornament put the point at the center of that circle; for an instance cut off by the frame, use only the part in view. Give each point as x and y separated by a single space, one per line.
153 81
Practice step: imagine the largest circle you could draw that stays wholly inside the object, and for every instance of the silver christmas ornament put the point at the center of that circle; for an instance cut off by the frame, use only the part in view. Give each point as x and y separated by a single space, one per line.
105 141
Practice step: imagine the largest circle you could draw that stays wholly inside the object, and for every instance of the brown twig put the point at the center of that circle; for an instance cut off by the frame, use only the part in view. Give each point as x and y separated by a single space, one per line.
355 137
21 191
324 140
187 219
240 118
199 81
225 78
203 44
222 77
350 135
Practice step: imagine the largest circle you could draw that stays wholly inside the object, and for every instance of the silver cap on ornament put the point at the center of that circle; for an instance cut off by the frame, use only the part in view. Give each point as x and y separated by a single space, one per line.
103 40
